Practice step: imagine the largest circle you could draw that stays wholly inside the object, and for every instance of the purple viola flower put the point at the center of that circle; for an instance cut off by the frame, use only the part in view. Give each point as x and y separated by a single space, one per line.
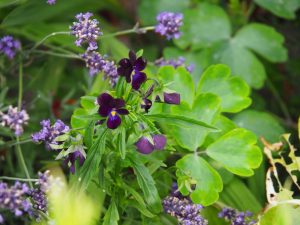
86 30
169 24
72 158
51 2
14 119
135 66
111 107
180 61
172 98
145 146
48 133
9 46
147 103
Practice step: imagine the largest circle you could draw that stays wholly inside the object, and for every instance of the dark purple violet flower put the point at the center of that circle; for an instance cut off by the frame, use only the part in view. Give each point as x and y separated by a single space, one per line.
172 98
9 46
86 30
135 66
147 103
48 133
180 61
169 24
184 211
51 2
96 63
14 119
72 158
145 146
111 107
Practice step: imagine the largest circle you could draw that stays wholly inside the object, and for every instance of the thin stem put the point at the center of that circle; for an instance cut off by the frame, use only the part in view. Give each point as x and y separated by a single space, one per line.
72 56
18 179
14 142
137 30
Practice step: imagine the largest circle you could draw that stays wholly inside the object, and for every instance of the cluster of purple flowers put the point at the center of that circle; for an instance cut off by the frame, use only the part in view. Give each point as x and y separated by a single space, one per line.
180 61
169 24
86 30
184 210
14 119
14 199
9 46
51 2
237 218
96 63
48 133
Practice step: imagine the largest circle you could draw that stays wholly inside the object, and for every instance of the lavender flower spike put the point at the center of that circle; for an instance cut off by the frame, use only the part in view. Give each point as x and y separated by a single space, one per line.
51 2
86 30
9 46
14 119
180 61
169 24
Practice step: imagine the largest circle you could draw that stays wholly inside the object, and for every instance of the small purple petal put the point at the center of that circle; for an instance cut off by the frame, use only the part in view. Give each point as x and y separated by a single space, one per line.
118 103
172 98
132 56
144 146
113 120
159 141
104 99
140 64
122 111
137 80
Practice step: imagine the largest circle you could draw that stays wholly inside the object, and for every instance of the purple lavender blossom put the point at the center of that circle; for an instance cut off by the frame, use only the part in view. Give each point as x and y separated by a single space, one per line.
235 217
169 24
14 198
48 133
14 119
86 30
184 210
180 61
145 146
51 2
9 46
96 63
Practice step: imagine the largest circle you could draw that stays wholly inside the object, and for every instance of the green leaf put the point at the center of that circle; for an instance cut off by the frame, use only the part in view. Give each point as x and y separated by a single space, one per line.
178 80
146 183
265 40
204 25
112 215
237 152
122 142
205 108
88 102
93 159
89 134
208 181
263 124
283 8
62 137
232 91
179 120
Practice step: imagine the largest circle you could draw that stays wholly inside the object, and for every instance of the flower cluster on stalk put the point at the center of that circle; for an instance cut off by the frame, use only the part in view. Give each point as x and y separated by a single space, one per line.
51 2
180 61
9 46
237 218
168 24
14 119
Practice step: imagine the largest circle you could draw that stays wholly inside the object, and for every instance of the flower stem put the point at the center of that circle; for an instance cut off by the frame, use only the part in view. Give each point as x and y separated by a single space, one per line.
18 179
72 56
135 29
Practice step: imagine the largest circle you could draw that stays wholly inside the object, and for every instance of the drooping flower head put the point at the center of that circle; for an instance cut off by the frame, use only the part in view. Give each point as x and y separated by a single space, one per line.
51 2
72 158
180 61
147 103
111 107
146 146
9 46
172 98
86 30
96 63
14 119
48 133
132 67
168 24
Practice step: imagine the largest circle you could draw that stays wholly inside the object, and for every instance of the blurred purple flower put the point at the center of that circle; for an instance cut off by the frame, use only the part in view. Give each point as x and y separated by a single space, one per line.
86 30
48 133
169 24
14 119
145 146
1 219
72 158
235 217
51 2
9 46
111 107
172 98
180 61
134 65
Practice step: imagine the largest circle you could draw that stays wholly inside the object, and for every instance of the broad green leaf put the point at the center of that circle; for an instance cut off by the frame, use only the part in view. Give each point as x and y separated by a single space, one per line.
208 181
262 124
148 10
264 40
282 8
232 91
204 25
112 215
179 120
286 214
243 63
146 183
178 80
93 160
205 108
237 152
88 102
